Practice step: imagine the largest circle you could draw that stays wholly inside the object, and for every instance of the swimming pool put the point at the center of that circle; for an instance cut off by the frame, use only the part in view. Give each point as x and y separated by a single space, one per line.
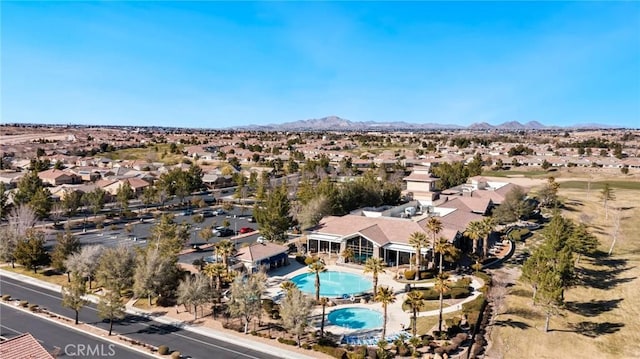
333 284
356 318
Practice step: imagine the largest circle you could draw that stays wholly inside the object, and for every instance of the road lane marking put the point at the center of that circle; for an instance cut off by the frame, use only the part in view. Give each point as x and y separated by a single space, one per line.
148 325
10 329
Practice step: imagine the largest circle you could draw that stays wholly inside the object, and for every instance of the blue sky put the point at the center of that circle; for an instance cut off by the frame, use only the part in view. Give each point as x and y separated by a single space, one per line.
224 64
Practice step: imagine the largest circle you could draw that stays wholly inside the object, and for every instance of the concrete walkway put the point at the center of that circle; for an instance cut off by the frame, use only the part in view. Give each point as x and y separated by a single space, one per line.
209 332
397 319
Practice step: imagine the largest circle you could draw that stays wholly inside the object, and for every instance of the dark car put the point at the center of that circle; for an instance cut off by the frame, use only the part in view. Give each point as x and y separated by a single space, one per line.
244 230
224 232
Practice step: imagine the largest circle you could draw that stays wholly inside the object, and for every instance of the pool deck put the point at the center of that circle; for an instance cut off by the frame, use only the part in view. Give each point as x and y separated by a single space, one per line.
397 319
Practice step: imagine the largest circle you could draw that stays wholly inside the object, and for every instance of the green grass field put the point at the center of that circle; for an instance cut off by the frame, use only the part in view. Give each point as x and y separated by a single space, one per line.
507 173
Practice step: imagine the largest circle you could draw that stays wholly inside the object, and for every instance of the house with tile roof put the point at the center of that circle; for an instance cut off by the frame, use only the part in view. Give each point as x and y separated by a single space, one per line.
263 254
56 177
24 346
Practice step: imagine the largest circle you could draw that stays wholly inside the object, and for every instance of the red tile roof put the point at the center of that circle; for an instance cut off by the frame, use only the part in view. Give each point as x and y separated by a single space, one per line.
24 346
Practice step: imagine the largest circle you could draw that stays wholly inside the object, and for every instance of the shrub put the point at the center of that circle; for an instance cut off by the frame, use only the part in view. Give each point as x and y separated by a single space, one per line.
403 350
267 305
33 307
24 303
176 355
330 350
410 274
372 353
6 297
163 350
301 259
287 341
306 346
426 275
253 332
310 260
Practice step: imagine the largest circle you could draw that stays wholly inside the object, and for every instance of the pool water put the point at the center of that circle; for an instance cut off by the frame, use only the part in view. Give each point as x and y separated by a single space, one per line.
356 318
333 284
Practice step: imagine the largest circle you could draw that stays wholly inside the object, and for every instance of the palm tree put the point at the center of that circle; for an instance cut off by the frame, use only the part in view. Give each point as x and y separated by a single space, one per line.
225 248
323 302
288 286
417 240
443 247
374 266
488 225
474 232
442 286
317 267
434 226
385 296
347 254
415 300
214 270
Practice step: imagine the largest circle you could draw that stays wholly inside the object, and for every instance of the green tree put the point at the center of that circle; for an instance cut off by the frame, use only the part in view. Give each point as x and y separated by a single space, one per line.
95 200
487 228
217 271
72 295
27 187
30 251
475 232
71 202
111 307
434 225
514 206
442 286
225 249
415 300
4 201
41 203
8 242
582 242
316 268
295 310
273 214
385 296
418 240
66 244
149 195
444 248
124 194
375 266
548 195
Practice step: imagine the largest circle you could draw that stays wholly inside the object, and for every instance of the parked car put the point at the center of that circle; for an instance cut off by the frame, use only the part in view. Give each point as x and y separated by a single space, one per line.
244 230
207 213
218 212
251 219
223 232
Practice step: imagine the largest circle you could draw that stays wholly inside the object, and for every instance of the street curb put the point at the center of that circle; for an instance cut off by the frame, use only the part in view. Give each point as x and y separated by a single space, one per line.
261 347
82 331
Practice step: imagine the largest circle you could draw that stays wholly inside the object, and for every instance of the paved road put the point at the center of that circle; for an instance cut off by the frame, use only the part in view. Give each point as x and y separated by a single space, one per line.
68 342
136 327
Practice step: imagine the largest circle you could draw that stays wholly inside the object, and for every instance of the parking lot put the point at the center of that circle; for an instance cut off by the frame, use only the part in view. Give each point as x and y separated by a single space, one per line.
115 234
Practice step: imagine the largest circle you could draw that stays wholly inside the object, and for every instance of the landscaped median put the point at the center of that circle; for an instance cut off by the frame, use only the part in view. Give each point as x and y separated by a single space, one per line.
34 309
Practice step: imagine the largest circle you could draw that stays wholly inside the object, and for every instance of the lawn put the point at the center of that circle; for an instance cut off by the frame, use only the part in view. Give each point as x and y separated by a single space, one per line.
507 173
428 305
43 274
150 154
600 315
598 185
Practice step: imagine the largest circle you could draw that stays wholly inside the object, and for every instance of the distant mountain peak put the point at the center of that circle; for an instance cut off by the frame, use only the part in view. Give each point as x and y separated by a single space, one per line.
335 122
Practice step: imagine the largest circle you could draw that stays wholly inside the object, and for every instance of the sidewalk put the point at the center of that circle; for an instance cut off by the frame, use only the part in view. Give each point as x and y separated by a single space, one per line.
226 336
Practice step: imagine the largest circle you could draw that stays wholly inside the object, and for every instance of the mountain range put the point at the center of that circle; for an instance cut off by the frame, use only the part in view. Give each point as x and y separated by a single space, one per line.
335 123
